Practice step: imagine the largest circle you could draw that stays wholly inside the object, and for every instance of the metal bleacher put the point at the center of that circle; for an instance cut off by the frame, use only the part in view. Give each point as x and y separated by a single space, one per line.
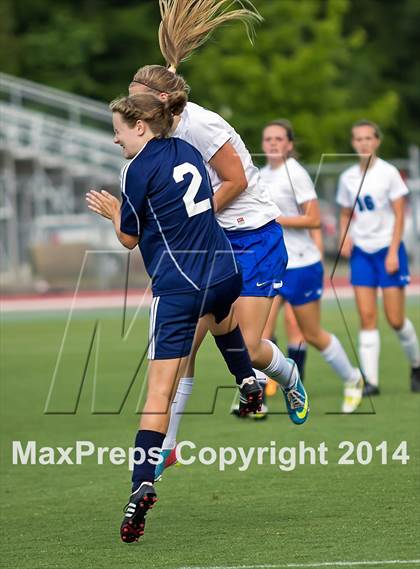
53 147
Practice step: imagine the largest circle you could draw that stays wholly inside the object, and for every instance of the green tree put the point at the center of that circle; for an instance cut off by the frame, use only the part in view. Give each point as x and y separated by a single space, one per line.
89 47
299 68
389 61
320 63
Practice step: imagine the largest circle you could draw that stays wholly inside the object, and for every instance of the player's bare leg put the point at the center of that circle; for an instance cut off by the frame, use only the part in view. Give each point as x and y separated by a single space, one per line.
308 317
162 382
181 397
369 339
252 314
269 333
270 326
296 343
394 307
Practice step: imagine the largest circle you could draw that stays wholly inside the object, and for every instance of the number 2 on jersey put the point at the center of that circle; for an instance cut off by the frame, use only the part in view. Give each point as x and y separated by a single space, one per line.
192 207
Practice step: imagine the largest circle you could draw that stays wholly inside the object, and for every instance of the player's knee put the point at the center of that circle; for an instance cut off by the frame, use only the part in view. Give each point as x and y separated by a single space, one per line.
312 337
254 349
396 322
368 320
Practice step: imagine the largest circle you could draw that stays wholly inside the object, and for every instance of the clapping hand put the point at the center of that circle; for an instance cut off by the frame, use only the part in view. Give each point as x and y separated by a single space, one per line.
103 203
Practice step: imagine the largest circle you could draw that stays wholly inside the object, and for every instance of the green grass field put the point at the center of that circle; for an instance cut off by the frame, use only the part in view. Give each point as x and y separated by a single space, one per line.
68 516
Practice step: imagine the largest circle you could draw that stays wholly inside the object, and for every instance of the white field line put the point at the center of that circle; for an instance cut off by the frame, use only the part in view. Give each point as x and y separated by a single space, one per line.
415 562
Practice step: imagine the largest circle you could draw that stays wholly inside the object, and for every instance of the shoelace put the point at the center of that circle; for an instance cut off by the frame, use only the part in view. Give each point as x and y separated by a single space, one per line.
295 399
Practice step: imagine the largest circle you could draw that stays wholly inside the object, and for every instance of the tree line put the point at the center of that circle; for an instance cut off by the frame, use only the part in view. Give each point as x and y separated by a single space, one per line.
320 63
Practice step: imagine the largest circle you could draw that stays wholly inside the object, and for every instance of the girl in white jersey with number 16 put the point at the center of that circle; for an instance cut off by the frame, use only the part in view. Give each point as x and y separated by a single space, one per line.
243 209
292 190
372 199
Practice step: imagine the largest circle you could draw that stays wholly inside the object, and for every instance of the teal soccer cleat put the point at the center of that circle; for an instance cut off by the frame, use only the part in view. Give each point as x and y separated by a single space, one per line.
169 459
296 398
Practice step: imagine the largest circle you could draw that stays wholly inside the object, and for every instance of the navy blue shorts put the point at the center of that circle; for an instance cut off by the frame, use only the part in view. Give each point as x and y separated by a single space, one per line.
368 269
303 284
174 317
262 256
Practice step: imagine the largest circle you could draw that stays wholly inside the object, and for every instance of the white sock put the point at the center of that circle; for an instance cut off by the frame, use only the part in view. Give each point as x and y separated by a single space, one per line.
182 395
336 357
369 348
260 376
409 342
280 369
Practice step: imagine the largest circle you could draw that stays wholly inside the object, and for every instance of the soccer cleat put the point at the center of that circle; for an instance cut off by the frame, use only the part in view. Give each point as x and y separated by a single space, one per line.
234 410
261 414
169 459
250 396
296 398
370 390
415 379
353 393
141 501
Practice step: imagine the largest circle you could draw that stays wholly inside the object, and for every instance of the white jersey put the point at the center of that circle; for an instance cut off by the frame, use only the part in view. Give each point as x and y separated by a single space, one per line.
208 132
290 186
373 221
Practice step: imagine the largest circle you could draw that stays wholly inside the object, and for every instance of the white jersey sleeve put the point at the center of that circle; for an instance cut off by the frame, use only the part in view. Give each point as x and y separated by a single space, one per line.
343 196
300 182
208 134
397 187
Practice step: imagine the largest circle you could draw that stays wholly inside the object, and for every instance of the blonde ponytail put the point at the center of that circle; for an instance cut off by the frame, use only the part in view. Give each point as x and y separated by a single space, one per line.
187 24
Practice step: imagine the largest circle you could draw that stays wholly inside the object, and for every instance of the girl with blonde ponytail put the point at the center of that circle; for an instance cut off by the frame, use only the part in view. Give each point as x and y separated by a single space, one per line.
243 207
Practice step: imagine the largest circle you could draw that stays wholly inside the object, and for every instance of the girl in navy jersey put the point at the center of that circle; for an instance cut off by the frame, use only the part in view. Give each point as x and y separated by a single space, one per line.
243 208
372 198
167 210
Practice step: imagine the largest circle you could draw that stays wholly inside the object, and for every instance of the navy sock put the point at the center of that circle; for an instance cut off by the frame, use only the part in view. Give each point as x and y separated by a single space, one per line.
233 349
145 472
298 354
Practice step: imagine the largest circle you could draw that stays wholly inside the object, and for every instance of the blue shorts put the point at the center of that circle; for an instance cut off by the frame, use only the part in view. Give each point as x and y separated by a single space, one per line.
262 256
368 269
174 317
303 284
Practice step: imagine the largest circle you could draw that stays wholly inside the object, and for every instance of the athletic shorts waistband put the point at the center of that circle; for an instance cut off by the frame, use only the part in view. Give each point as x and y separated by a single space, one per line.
268 225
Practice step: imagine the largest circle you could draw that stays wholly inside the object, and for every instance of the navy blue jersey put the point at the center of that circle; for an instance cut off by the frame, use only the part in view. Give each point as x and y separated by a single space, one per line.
167 202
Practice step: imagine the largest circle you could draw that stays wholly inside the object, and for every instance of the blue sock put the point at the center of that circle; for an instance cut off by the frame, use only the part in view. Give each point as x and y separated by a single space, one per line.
233 349
298 354
146 440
